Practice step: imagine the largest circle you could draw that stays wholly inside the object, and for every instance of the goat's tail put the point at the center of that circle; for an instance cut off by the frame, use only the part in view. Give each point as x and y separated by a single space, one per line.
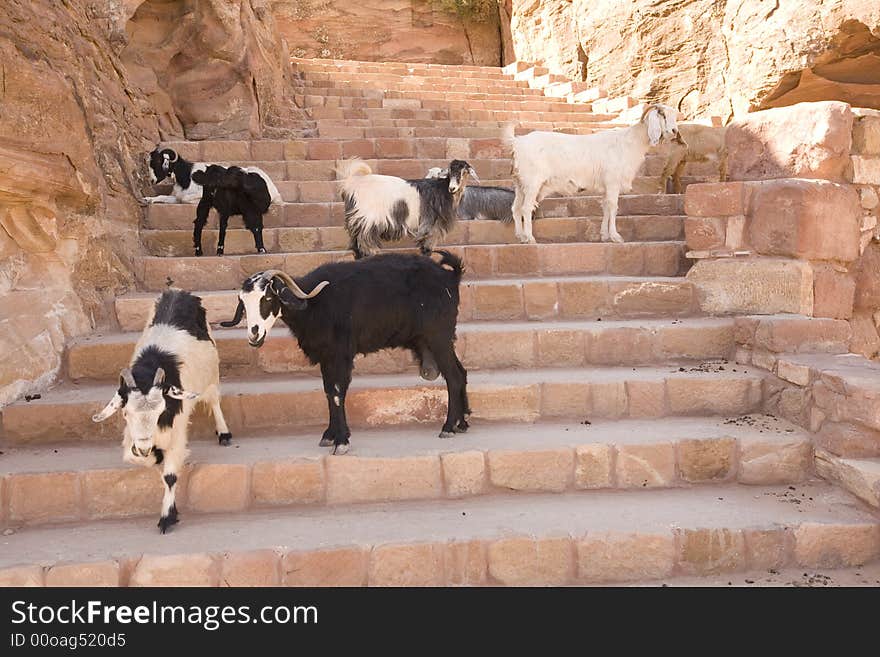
353 167
450 262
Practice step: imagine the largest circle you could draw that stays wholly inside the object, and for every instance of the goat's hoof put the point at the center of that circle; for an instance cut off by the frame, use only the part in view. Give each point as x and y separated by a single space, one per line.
261 250
220 251
224 438
341 449
615 237
166 522
447 434
198 252
462 426
327 441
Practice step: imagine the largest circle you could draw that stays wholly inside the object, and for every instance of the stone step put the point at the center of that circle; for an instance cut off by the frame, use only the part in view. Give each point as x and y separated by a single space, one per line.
172 216
571 113
409 68
280 402
490 92
392 80
239 241
480 346
77 483
443 101
452 128
518 540
559 297
332 129
860 476
484 261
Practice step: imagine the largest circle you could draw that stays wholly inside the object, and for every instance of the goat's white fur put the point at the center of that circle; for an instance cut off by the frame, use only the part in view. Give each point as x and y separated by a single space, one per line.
374 195
606 162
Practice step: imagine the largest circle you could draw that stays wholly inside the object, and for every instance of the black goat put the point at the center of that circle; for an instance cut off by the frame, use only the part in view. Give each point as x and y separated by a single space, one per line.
387 208
386 301
231 191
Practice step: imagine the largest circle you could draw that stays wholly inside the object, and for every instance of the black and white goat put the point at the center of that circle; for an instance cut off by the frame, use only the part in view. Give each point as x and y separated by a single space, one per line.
387 208
174 366
387 301
231 191
481 201
165 162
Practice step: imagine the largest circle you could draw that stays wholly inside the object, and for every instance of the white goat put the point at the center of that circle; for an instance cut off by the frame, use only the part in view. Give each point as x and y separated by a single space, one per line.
546 163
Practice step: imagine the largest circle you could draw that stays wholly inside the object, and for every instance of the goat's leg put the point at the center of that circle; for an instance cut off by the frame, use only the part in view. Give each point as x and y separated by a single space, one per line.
212 397
221 239
202 211
676 177
518 212
465 405
173 459
447 361
254 222
609 216
528 202
337 377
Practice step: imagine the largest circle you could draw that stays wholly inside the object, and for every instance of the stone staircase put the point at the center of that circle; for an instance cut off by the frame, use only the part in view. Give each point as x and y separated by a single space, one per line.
614 438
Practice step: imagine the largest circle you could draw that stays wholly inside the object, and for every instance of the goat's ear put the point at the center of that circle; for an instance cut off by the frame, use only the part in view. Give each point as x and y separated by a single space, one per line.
654 125
288 298
176 393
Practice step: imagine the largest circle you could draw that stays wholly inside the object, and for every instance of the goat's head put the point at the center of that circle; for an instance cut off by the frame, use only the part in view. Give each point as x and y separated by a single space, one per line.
660 121
262 298
142 405
161 161
459 174
437 172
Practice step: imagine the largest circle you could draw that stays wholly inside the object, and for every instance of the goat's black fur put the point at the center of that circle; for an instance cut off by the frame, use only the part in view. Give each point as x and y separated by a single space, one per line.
231 191
179 167
144 369
380 302
184 311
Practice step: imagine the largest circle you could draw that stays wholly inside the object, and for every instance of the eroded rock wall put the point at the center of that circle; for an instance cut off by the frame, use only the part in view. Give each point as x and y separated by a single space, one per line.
212 68
73 132
391 30
722 57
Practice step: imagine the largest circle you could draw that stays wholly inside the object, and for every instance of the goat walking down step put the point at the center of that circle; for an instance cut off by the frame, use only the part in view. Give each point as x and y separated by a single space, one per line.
175 365
548 163
386 301
387 208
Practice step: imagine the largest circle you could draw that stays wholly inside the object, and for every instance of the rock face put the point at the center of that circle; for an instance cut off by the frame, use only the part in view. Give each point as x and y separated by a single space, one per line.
212 68
709 56
73 132
391 30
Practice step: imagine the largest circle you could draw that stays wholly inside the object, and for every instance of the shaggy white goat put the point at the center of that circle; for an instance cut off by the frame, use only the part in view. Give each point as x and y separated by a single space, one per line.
606 162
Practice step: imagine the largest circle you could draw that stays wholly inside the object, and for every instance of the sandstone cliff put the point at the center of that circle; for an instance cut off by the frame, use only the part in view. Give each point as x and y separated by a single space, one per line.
723 57
391 30
212 68
73 132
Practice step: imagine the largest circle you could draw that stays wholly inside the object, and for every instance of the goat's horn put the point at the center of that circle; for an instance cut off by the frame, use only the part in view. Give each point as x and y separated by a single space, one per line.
159 378
235 321
173 157
289 282
126 376
647 109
